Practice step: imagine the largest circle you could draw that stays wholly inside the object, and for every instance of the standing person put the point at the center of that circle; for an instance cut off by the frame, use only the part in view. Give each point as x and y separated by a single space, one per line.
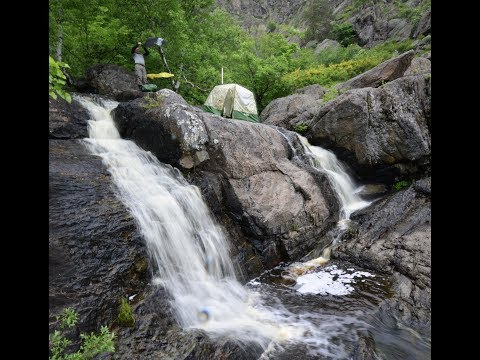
138 57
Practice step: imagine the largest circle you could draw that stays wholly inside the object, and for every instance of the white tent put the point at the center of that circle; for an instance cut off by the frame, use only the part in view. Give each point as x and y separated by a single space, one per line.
232 101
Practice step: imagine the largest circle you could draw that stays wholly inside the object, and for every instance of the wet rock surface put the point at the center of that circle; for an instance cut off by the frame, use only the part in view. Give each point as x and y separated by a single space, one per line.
393 236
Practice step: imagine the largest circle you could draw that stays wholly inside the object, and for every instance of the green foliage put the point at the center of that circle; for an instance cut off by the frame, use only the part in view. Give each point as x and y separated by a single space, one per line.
318 16
125 317
335 55
344 33
92 344
152 101
357 60
203 39
331 94
68 318
399 185
271 26
301 128
412 13
57 79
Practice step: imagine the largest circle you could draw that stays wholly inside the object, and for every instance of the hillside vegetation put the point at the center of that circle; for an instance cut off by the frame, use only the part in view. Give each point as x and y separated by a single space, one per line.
203 38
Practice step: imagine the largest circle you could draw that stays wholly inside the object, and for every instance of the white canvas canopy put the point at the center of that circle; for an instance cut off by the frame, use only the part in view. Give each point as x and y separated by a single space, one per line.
232 101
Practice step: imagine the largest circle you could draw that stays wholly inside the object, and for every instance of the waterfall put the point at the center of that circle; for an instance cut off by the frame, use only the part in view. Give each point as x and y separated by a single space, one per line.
342 184
326 162
191 253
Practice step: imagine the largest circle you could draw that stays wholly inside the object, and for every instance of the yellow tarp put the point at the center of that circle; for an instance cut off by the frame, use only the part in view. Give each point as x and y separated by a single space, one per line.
159 75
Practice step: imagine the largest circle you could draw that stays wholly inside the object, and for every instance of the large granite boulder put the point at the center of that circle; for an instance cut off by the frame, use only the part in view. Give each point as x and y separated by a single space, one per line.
244 170
293 110
114 81
387 71
382 133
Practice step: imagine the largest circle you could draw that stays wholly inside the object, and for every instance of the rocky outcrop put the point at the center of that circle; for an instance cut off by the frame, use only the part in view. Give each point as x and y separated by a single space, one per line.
96 255
378 21
114 81
423 27
315 91
243 169
259 12
382 133
295 109
373 21
326 44
419 65
393 236
387 71
67 121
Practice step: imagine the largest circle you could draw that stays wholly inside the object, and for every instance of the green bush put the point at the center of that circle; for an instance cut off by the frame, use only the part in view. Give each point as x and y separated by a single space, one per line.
125 317
301 128
331 94
335 55
357 60
271 26
402 184
344 33
57 80
92 344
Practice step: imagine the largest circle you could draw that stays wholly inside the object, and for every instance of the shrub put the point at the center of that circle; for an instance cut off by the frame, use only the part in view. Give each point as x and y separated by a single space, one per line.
92 344
57 80
301 128
402 184
344 33
125 317
271 26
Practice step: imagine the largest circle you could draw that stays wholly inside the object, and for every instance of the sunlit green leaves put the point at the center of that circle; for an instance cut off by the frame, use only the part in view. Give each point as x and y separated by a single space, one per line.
57 79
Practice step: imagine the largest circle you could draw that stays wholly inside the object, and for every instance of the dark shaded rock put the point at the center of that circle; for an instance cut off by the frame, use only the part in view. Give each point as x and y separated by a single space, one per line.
67 121
373 191
382 134
111 80
94 246
394 237
157 336
387 71
128 95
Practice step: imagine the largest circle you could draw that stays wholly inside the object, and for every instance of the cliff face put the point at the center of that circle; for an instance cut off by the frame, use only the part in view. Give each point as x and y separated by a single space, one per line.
373 21
255 12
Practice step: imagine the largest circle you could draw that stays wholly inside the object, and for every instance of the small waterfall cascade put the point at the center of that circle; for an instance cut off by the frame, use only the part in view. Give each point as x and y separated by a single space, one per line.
347 193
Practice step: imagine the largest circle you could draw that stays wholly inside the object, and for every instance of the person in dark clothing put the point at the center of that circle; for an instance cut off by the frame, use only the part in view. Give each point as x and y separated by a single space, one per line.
138 57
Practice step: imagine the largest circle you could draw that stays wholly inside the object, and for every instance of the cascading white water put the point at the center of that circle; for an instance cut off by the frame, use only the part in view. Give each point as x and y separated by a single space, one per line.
326 162
192 254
